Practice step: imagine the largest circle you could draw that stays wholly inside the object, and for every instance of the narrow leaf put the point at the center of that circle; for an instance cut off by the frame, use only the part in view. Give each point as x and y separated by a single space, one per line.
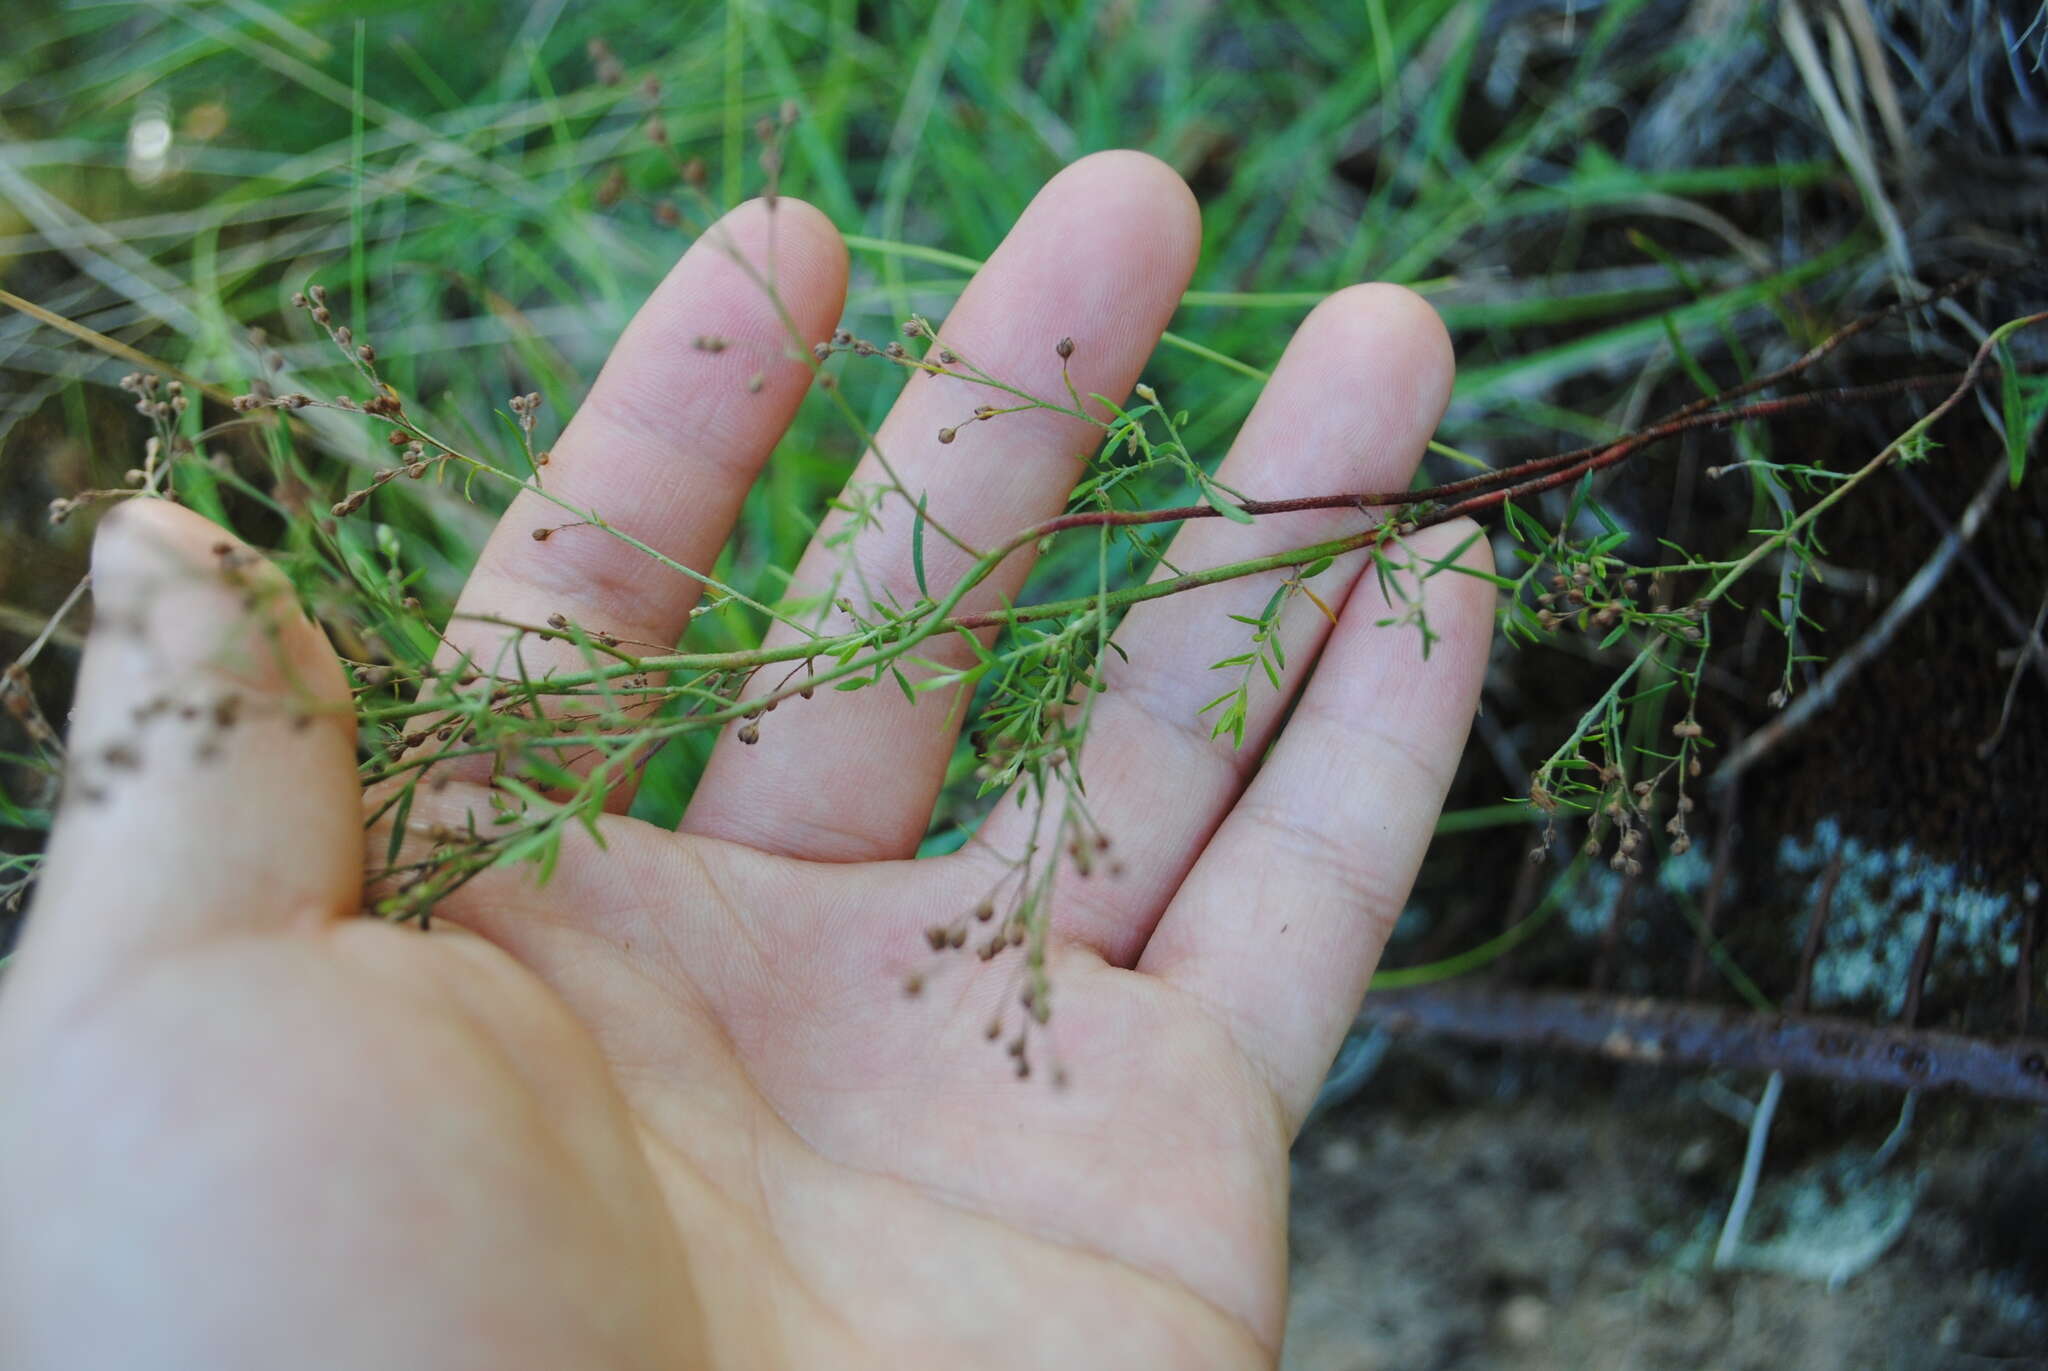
917 548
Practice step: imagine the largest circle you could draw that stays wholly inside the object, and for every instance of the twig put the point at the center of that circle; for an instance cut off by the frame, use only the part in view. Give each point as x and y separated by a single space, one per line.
1717 880
53 629
1693 1035
1916 974
1760 743
2030 650
1816 930
1752 1166
1896 1139
2031 646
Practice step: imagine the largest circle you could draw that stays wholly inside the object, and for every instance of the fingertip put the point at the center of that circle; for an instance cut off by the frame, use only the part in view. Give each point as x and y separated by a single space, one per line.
1397 333
139 539
185 595
1123 198
1126 185
804 238
710 342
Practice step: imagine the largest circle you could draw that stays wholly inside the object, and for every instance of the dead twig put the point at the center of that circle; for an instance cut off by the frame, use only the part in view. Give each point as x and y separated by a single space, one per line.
1752 1166
2030 651
1809 951
2031 648
1717 880
1694 1035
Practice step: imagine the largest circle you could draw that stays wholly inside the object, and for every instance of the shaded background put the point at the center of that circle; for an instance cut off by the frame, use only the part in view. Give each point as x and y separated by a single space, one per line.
1607 201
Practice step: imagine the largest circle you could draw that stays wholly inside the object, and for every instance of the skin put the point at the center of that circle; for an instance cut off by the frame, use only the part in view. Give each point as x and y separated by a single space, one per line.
673 1107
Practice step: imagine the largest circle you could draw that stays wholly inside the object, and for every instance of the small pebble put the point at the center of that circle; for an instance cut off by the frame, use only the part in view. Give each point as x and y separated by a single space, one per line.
1524 1320
1340 1157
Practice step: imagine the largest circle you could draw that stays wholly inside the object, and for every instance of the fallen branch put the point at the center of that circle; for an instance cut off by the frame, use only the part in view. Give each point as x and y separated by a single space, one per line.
1694 1035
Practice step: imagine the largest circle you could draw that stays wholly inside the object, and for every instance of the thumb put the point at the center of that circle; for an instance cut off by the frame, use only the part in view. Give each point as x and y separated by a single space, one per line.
211 784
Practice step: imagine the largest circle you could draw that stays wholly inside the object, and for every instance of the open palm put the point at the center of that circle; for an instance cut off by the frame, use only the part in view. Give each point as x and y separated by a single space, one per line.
673 1108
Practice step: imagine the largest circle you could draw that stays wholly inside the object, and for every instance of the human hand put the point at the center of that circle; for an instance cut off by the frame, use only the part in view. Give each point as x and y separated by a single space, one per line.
672 1107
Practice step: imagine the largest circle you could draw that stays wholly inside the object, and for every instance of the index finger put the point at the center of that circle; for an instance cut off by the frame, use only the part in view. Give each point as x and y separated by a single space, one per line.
692 400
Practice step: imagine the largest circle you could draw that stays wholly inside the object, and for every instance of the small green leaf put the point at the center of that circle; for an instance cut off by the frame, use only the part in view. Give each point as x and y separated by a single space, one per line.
403 812
2025 405
1450 558
1523 524
974 645
917 548
1502 582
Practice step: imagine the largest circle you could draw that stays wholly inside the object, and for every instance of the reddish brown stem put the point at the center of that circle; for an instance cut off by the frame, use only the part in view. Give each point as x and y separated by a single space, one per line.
1526 478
